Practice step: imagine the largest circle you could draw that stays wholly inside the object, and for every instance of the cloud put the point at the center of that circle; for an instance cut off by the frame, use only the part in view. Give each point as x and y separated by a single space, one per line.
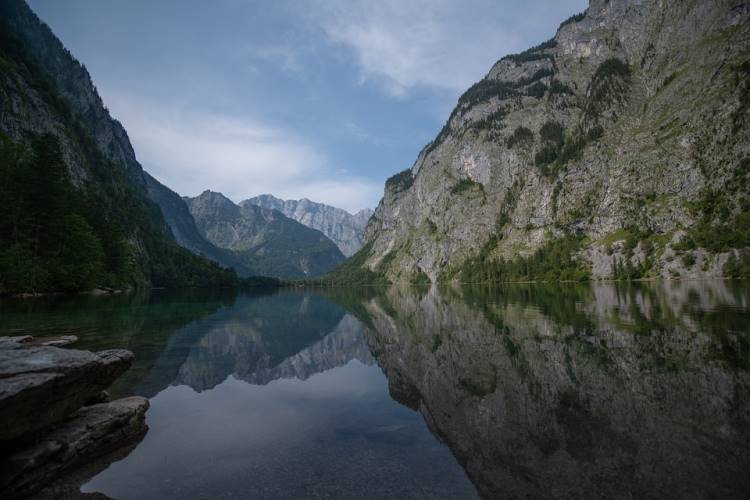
193 150
447 44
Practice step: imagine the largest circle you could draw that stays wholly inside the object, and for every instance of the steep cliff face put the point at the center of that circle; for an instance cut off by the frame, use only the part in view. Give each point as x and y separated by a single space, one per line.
343 228
183 228
266 241
46 93
625 133
73 83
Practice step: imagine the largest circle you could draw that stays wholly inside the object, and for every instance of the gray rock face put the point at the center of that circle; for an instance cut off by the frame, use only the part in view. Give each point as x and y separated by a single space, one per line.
343 228
74 83
642 142
45 90
41 385
90 432
55 416
181 223
266 241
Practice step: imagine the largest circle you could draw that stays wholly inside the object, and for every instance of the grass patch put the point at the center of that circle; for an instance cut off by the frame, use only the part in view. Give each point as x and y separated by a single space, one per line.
465 185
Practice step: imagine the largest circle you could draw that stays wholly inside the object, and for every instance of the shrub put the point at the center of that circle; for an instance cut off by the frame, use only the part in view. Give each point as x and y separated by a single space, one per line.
545 156
492 121
400 181
557 87
575 18
485 90
688 259
537 90
595 133
465 184
538 75
521 136
554 261
553 133
429 148
608 84
573 149
737 267
534 53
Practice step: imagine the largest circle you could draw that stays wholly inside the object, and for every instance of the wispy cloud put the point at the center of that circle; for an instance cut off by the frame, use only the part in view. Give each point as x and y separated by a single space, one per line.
400 45
192 150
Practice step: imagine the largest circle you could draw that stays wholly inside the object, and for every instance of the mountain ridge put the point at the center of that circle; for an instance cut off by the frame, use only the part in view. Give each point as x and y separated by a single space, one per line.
264 240
87 198
617 149
342 227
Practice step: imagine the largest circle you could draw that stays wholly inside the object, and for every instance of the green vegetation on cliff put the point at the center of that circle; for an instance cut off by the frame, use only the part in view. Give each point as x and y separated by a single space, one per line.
73 218
353 271
58 237
555 261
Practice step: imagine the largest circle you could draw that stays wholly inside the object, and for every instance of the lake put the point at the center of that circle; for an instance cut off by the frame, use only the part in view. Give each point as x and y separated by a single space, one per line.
600 390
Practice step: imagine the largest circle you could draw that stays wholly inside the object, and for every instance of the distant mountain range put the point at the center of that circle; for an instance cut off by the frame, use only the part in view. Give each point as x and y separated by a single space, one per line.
264 241
343 228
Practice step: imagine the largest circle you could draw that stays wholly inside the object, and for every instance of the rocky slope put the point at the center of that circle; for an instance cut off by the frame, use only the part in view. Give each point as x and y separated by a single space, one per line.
343 228
46 93
265 241
625 136
182 225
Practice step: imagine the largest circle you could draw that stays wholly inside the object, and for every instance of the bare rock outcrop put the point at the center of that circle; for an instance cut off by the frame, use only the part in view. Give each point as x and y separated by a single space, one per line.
55 416
40 385
89 433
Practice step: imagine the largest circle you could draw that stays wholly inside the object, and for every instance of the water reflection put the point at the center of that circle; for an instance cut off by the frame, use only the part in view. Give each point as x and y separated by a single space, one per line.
277 396
577 391
599 390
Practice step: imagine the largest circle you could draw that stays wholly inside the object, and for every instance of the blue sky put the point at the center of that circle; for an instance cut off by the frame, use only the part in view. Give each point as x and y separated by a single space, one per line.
323 99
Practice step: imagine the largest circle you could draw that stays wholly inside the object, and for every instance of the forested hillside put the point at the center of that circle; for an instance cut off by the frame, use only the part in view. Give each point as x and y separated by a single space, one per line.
76 213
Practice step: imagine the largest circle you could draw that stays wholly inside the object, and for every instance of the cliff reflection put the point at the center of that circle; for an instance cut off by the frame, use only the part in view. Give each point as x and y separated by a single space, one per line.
577 391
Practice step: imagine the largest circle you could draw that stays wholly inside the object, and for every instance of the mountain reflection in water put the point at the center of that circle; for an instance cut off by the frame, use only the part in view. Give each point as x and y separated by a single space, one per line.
577 391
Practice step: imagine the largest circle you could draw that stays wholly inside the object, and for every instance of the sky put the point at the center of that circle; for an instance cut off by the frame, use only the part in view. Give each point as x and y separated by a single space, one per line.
318 99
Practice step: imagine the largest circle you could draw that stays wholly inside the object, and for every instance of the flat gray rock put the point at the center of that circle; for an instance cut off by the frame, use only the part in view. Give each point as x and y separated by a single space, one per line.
91 432
41 385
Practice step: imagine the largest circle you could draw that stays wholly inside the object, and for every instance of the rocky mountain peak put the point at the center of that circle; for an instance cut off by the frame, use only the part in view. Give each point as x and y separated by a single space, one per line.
343 228
263 238
604 135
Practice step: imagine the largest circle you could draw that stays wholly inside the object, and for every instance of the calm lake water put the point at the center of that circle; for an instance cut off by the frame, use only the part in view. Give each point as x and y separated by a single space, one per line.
602 390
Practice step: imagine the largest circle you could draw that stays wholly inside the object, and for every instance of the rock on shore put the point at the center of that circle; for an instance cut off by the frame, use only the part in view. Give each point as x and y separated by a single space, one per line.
52 418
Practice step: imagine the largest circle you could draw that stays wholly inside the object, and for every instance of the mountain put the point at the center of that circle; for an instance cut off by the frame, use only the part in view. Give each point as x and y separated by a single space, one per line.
343 228
181 223
76 209
265 241
617 149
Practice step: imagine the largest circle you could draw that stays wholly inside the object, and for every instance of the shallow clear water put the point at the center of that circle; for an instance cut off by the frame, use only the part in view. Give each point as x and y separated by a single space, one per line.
520 391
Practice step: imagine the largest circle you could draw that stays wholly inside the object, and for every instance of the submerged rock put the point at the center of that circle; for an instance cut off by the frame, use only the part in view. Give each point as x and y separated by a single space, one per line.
41 385
89 433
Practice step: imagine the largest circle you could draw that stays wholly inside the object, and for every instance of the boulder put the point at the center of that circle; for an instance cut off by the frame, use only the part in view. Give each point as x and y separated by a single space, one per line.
41 385
91 432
